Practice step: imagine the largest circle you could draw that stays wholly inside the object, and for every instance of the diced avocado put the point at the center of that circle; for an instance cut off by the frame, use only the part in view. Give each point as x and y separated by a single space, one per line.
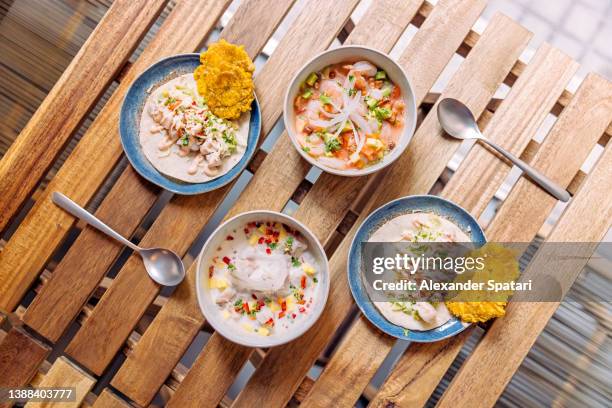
325 72
371 102
312 78
382 113
307 94
386 91
325 99
380 75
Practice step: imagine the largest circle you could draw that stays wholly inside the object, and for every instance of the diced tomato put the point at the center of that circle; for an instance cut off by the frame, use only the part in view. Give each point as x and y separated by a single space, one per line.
260 240
226 260
302 310
268 251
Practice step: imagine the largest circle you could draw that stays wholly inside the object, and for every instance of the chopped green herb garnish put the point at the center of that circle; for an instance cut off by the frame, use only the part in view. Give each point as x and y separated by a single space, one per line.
352 92
295 262
332 144
238 303
272 245
380 75
170 101
230 141
231 267
289 244
306 149
315 280
382 113
307 94
351 78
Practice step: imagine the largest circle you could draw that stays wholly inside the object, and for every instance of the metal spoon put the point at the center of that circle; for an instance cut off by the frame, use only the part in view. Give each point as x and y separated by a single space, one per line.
163 266
458 122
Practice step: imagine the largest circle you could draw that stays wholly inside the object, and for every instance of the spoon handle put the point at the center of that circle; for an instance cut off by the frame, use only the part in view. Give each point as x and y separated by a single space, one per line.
546 183
79 212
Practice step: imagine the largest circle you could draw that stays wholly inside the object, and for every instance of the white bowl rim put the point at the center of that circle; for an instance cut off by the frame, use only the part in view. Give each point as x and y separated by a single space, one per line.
234 337
366 170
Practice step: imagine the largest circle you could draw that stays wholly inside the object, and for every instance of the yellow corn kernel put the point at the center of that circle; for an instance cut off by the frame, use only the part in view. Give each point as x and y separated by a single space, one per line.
217 283
253 239
290 302
226 314
247 327
374 143
308 269
263 331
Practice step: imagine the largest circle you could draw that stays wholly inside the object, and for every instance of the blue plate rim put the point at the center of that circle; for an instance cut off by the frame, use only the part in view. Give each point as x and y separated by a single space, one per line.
455 325
204 187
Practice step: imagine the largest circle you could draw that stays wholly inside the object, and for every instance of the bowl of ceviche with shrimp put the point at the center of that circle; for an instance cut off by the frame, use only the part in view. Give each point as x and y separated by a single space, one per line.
350 111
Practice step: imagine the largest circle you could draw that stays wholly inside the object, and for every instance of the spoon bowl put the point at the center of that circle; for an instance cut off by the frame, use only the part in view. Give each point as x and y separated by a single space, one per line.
457 120
164 266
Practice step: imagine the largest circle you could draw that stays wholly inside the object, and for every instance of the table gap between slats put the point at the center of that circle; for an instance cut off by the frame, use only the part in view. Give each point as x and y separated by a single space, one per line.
563 97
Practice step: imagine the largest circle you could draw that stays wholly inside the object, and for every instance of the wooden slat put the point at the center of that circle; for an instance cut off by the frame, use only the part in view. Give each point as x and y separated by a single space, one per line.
219 354
545 79
108 399
132 290
69 101
118 210
91 161
510 338
518 220
153 357
20 356
65 374
515 122
475 82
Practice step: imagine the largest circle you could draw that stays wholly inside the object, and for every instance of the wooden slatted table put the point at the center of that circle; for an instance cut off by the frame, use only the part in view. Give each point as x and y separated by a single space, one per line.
126 342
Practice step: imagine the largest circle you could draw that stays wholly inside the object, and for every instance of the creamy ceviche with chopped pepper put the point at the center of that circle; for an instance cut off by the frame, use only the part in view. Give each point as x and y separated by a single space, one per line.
417 227
263 278
349 115
182 138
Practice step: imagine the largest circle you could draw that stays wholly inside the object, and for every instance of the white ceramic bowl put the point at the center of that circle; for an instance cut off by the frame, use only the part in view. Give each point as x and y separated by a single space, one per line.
210 309
354 53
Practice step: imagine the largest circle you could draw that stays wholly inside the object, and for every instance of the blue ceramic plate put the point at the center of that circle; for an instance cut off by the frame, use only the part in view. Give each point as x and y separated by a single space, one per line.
401 206
129 122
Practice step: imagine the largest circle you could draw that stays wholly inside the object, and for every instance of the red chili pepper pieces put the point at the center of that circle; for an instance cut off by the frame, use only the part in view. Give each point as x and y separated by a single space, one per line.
281 315
226 260
303 282
302 310
260 240
230 238
245 305
268 251
284 306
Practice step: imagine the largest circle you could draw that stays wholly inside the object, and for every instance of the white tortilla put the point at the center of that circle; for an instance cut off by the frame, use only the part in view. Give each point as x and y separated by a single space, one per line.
392 231
172 164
